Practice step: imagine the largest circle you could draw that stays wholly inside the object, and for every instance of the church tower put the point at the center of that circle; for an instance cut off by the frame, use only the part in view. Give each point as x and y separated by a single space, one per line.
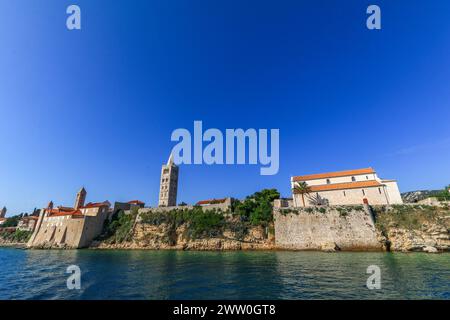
81 197
3 212
168 184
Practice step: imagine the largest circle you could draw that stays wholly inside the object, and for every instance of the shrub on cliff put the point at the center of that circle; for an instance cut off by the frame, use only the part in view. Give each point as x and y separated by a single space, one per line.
409 217
118 229
17 236
208 223
12 221
257 208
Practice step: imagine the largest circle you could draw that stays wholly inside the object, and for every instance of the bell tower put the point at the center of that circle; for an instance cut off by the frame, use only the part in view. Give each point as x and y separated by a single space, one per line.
81 197
168 184
3 212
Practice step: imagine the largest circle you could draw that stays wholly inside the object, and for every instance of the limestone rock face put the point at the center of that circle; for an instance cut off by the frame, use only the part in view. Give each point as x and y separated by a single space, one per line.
146 236
431 238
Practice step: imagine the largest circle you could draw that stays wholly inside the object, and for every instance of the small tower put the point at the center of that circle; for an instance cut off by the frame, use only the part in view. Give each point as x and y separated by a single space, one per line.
49 209
168 184
3 212
81 197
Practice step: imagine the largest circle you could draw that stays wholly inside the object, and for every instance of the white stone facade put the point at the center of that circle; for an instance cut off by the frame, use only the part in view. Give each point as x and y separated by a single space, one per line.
346 188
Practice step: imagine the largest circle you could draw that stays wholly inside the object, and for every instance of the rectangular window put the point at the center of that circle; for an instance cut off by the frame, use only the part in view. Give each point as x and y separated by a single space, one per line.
364 193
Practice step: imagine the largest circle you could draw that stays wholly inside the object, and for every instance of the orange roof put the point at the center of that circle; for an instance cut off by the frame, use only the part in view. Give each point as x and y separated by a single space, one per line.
211 201
59 213
346 185
67 209
135 202
334 174
95 205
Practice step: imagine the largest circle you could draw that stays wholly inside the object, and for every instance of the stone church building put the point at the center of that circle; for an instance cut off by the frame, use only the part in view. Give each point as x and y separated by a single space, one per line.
349 187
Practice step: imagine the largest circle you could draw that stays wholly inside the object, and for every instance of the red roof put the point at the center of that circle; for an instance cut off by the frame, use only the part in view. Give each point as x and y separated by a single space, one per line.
135 202
66 209
211 201
346 185
95 205
59 213
334 174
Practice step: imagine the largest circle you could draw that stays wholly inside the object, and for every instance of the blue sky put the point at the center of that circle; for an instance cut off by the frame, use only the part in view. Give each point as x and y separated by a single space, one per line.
96 107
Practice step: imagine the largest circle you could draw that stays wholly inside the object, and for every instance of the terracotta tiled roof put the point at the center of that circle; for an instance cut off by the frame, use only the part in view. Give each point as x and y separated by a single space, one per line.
135 202
334 174
67 209
59 213
95 205
211 201
343 186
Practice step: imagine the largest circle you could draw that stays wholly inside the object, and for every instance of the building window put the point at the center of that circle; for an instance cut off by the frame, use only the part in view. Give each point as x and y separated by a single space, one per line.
344 194
379 190
328 181
353 179
367 177
364 193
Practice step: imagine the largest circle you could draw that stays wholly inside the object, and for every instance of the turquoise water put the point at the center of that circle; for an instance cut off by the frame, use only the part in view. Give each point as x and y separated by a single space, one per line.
36 274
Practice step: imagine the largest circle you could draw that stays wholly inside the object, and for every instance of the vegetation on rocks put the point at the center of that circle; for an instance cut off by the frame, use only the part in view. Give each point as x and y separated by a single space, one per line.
410 217
17 236
12 221
119 229
443 195
195 223
200 223
256 208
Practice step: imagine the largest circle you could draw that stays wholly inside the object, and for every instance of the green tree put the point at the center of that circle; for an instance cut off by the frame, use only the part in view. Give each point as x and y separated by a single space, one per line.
257 208
12 221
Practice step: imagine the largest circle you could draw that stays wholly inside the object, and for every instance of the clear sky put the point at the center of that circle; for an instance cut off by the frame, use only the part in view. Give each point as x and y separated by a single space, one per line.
96 107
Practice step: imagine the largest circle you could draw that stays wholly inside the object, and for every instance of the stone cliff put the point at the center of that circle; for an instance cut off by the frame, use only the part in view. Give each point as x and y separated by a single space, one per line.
414 227
167 236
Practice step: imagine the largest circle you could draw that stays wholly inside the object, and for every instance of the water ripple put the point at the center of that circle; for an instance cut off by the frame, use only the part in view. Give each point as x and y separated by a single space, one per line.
41 274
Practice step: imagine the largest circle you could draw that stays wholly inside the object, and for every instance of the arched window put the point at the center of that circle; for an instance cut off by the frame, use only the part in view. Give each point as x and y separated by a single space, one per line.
328 181
353 179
